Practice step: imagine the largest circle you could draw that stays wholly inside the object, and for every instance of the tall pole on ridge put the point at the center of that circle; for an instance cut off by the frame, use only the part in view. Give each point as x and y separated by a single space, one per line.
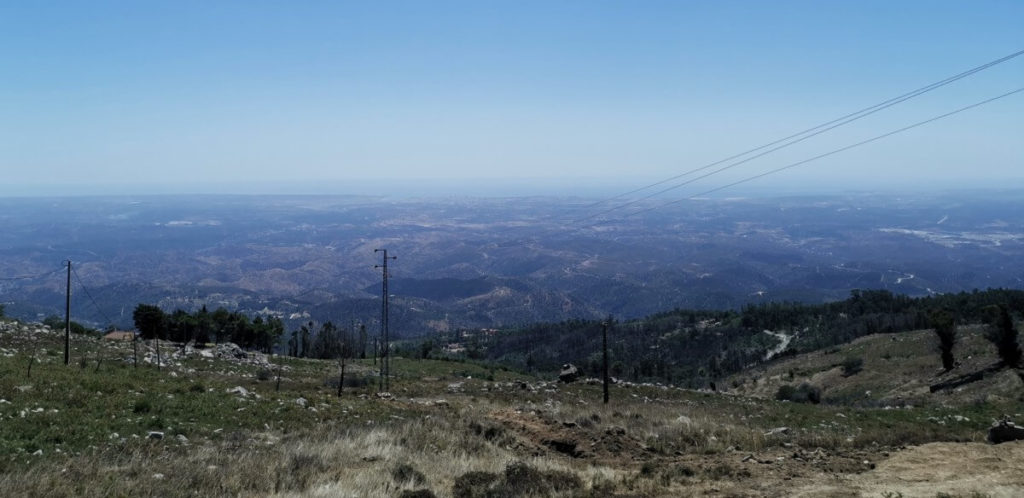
67 319
385 356
604 334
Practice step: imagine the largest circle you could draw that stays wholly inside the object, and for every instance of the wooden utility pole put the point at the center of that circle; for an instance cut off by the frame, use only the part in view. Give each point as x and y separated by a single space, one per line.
604 334
280 362
385 355
341 377
362 342
67 319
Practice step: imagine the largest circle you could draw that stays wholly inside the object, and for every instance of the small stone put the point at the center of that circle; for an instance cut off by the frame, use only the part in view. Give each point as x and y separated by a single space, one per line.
301 402
155 435
239 390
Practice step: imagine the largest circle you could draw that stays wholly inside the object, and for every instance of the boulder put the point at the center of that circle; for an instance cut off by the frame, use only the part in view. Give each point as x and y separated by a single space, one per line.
1005 431
230 350
569 373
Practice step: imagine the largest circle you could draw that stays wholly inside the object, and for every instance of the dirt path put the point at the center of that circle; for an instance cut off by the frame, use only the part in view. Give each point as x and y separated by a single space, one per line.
957 469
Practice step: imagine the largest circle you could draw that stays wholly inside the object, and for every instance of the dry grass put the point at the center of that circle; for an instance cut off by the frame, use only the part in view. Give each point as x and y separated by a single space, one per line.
448 429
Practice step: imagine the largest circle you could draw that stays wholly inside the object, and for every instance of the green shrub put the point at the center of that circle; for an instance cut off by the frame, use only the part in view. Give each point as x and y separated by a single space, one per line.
852 365
142 406
804 393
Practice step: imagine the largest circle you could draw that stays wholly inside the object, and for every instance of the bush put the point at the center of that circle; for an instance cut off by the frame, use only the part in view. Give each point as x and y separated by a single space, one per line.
142 406
520 480
473 484
264 375
488 432
529 481
418 493
804 393
331 381
852 366
404 472
648 468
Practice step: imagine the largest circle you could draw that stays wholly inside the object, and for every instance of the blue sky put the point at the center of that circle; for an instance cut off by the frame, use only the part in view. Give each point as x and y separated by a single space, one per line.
336 96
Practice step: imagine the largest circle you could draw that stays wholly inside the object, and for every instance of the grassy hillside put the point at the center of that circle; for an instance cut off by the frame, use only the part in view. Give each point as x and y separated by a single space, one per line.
457 429
694 348
896 370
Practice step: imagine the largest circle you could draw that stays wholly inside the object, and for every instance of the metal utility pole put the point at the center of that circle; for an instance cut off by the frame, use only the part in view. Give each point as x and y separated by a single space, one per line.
67 319
385 356
604 333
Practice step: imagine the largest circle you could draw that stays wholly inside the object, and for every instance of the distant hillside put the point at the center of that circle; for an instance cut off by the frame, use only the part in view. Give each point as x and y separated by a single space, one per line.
494 262
896 370
695 347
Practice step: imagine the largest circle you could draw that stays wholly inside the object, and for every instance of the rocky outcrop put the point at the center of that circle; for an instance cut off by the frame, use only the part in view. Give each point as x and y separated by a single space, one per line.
569 373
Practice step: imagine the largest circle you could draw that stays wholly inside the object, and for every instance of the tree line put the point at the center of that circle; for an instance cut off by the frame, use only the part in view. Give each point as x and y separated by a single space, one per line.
204 326
694 347
221 325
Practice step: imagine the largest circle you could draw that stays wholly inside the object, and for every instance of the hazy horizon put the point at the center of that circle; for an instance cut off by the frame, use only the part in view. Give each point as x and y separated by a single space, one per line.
588 188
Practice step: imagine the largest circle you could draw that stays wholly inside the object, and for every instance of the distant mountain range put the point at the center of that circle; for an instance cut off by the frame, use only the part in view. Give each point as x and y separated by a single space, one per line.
494 262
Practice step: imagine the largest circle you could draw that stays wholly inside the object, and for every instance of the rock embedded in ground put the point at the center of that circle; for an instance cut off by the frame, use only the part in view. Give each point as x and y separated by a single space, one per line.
569 373
1005 431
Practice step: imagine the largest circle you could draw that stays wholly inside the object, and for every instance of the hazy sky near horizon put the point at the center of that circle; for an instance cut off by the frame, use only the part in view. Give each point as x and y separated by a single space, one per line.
168 96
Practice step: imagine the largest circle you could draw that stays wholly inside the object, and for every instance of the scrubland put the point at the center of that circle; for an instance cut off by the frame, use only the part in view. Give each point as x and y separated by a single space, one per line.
221 426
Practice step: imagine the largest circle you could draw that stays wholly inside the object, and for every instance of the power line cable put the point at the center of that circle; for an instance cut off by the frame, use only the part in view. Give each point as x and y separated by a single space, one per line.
800 136
89 294
836 151
31 277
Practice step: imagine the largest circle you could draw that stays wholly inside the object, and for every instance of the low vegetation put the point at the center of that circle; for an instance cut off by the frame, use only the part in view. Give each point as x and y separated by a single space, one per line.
219 425
694 348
